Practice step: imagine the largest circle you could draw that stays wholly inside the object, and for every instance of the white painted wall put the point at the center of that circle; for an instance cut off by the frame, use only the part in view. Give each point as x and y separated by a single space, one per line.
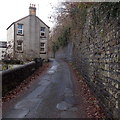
10 40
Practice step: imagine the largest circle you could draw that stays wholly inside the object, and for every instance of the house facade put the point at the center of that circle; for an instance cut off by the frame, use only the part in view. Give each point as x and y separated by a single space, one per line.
28 37
3 47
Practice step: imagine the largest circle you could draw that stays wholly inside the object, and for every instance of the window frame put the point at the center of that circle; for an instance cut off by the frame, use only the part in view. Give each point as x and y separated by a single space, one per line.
20 29
42 50
42 45
42 32
19 45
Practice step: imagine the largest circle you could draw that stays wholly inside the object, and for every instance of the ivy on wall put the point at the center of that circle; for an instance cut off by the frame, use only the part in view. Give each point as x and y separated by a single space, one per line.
62 40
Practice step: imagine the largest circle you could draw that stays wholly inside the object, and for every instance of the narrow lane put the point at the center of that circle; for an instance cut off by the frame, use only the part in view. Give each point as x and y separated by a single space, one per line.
52 97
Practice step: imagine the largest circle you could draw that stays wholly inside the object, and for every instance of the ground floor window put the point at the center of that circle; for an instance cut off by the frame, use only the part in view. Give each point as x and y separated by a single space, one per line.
42 49
42 44
19 46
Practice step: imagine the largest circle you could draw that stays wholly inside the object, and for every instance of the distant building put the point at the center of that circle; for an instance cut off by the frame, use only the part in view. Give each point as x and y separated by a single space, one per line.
28 37
3 47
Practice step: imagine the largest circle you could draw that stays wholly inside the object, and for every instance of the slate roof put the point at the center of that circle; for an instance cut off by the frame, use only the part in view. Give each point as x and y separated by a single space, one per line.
24 18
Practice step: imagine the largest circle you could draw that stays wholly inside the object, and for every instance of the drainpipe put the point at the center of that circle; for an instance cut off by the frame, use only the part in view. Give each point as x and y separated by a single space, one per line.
14 43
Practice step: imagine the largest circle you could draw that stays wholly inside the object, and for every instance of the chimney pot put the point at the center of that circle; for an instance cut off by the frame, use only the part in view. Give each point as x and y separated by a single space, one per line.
32 9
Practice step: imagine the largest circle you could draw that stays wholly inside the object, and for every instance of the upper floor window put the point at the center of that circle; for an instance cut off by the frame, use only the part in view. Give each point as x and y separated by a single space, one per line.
42 31
20 29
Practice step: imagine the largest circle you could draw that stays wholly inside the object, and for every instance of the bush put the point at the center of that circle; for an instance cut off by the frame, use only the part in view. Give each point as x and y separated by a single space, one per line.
12 62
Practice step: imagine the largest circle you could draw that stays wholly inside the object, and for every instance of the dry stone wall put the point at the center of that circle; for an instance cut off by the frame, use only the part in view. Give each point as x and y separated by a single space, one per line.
97 55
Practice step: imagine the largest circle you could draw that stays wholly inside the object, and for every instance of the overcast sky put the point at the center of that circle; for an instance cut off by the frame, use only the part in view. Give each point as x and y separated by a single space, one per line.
12 10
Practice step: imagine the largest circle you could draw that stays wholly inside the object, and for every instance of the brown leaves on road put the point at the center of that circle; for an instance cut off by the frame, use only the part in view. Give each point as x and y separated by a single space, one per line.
25 84
90 104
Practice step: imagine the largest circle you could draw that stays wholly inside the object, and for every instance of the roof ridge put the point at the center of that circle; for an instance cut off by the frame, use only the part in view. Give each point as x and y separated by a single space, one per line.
24 18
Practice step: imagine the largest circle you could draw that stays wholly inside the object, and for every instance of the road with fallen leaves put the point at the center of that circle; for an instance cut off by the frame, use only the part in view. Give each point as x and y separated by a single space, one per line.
52 96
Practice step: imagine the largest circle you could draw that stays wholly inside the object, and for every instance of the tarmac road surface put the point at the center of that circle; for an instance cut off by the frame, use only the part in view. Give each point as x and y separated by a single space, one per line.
51 97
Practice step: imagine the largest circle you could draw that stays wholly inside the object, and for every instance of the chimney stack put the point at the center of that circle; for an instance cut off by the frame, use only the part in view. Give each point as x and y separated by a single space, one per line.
32 9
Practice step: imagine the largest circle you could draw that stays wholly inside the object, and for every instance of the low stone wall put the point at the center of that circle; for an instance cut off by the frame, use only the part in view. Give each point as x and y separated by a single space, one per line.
13 77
